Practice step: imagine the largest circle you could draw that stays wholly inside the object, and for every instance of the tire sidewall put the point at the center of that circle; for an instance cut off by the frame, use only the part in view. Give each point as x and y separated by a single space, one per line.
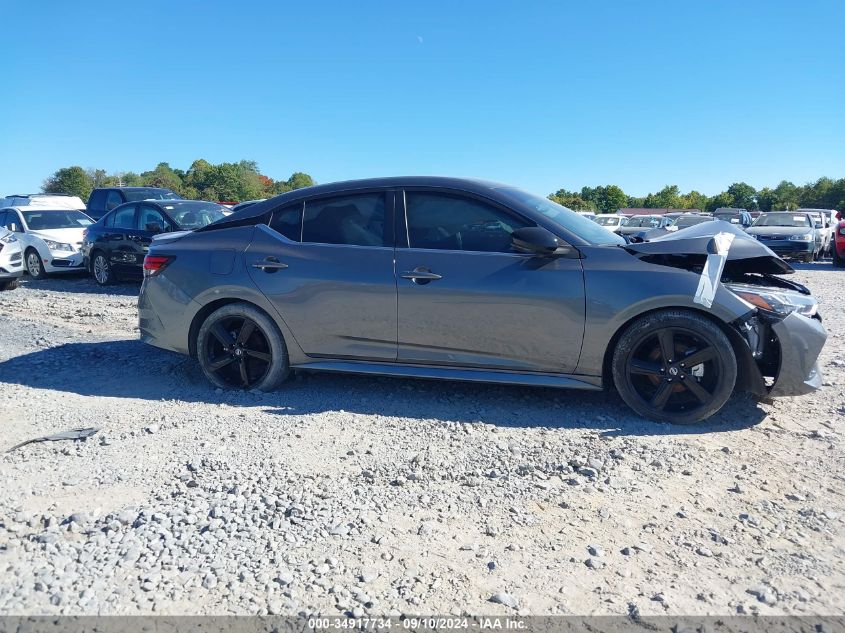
40 268
699 325
279 367
110 276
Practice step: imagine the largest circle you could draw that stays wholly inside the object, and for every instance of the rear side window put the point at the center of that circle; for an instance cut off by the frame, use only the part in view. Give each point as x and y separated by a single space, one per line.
356 220
124 218
113 199
97 201
288 222
446 222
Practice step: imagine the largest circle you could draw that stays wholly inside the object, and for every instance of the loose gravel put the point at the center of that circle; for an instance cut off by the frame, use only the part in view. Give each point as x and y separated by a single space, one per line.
343 494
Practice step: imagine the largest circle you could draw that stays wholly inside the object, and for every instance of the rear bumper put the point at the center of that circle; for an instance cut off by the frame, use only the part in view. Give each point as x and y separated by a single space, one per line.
164 314
801 340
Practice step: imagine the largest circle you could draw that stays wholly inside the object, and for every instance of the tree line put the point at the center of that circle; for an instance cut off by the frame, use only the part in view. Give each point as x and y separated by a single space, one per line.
243 181
202 181
824 193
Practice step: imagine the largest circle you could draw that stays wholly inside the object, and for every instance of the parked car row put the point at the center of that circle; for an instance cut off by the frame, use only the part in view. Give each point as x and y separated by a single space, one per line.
108 237
813 237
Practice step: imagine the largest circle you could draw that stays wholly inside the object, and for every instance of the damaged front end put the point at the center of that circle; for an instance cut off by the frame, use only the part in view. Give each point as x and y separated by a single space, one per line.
780 337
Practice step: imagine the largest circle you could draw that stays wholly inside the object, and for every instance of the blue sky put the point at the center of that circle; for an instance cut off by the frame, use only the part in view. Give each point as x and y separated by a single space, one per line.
539 94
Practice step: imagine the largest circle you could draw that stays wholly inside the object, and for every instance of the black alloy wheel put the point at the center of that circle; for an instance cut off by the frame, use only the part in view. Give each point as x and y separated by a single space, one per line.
677 367
238 352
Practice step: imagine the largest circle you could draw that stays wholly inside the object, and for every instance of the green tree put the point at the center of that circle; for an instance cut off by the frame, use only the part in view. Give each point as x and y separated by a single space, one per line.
73 181
723 199
162 176
299 179
607 199
694 200
667 198
743 196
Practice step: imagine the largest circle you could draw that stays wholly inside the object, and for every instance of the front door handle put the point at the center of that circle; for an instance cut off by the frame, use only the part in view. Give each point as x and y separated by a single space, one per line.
421 275
269 265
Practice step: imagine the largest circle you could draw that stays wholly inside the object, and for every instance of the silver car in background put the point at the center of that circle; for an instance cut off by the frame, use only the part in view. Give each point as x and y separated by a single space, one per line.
470 280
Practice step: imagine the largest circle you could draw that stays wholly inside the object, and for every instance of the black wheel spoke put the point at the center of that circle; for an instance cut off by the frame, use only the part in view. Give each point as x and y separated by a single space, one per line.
246 331
222 335
700 356
691 385
220 363
244 374
667 345
645 368
264 356
661 396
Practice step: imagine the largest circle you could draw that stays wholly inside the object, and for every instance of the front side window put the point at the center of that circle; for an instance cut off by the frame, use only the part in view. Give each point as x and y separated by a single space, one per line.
124 218
454 223
355 220
151 219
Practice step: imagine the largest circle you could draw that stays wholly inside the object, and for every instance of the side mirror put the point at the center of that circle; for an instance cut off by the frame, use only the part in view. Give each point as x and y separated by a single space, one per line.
534 239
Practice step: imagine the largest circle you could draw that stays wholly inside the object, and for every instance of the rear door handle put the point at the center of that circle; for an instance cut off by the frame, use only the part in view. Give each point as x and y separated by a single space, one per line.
269 264
421 275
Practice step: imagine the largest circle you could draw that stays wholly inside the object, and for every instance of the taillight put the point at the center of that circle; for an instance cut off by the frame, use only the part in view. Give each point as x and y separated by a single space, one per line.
154 264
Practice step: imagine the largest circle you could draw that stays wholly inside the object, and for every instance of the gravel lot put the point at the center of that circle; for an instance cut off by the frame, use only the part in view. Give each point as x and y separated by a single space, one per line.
374 496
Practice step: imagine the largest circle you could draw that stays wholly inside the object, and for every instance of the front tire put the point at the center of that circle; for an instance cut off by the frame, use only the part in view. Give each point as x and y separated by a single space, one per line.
674 366
9 284
239 347
101 269
34 265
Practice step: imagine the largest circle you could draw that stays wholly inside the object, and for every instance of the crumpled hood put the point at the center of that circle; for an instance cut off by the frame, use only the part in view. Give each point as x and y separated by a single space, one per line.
746 254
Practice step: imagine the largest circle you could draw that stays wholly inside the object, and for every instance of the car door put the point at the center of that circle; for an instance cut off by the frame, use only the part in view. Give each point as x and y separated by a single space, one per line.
327 267
465 298
115 239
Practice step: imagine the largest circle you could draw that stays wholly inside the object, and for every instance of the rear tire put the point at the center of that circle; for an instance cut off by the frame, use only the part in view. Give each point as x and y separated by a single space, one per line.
101 269
687 388
34 265
838 262
239 347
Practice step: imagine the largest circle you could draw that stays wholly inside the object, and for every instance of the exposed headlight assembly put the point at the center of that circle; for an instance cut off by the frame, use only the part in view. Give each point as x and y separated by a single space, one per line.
58 246
8 239
780 302
804 237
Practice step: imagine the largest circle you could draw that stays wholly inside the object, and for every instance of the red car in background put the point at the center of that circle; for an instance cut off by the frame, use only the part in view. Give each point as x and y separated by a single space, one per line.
839 242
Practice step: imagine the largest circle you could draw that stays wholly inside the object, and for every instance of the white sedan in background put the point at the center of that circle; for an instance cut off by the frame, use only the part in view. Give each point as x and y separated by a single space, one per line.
611 222
50 238
11 260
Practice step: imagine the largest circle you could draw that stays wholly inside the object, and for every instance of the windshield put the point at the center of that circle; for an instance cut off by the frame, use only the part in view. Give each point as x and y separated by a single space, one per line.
608 220
783 219
733 218
46 220
583 227
150 194
194 215
683 223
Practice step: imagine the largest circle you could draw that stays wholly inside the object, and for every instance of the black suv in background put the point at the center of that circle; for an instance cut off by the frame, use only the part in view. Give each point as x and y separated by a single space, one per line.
114 247
104 200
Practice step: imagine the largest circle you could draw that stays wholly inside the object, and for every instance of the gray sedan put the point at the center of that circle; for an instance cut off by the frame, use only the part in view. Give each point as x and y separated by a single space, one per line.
446 278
